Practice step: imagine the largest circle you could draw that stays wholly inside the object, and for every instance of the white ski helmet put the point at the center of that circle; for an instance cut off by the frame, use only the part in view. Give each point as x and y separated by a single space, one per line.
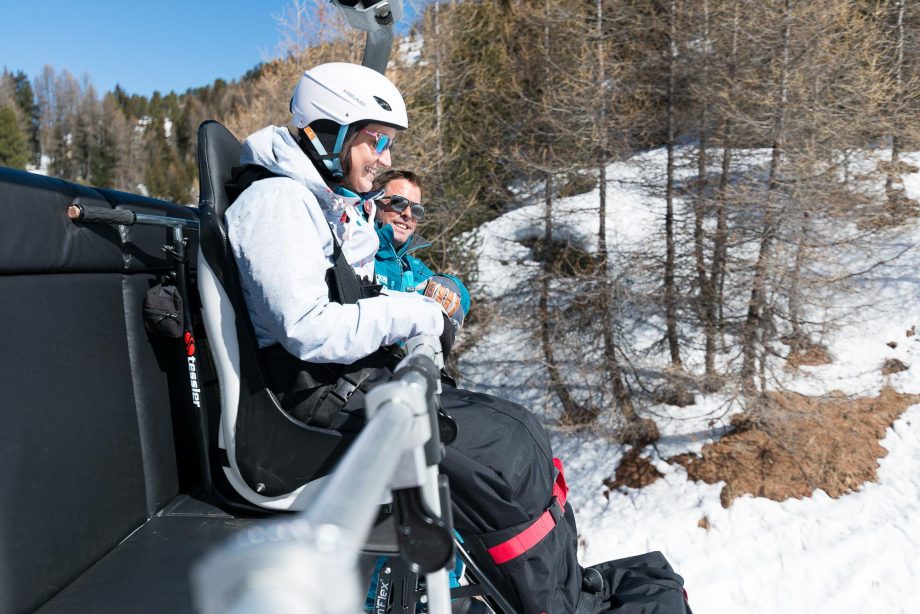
332 98
347 94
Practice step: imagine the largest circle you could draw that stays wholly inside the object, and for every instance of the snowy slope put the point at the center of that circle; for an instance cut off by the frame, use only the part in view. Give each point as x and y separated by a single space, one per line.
858 553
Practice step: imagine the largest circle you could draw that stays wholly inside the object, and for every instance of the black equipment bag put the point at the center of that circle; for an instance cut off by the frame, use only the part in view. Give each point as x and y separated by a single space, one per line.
163 310
643 584
509 505
502 480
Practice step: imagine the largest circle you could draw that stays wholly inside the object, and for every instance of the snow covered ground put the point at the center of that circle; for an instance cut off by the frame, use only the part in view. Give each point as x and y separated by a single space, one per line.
858 553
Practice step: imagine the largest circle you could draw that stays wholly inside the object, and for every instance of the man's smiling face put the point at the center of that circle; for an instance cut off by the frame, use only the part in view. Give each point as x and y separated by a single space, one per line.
403 223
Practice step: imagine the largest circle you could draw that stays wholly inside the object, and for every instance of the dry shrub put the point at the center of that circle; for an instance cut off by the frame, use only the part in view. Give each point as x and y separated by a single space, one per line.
638 432
675 389
634 471
676 394
799 444
896 210
803 352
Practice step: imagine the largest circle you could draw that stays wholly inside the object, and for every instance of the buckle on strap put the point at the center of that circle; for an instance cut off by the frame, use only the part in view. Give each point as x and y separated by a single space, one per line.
556 510
343 389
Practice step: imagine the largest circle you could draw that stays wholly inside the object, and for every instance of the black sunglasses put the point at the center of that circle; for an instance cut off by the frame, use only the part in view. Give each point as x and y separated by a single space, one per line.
398 204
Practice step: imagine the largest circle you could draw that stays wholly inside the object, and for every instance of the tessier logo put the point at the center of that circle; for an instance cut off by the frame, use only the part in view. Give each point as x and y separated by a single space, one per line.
192 369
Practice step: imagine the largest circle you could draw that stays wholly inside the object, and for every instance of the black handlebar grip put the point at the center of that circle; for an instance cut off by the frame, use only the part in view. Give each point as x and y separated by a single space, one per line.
101 215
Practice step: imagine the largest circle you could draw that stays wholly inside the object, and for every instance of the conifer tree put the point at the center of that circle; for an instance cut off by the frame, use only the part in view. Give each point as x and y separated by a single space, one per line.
14 146
25 99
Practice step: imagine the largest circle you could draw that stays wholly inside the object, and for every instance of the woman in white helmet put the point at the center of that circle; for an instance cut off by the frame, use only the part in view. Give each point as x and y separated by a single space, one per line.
345 120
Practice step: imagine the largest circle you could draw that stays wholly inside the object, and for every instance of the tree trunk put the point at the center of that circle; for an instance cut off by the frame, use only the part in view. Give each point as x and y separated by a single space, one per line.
701 165
570 411
715 320
612 367
892 177
670 291
707 295
754 322
438 93
795 285
714 310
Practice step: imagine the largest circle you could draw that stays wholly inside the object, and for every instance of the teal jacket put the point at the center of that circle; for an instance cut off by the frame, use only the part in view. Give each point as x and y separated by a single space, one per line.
398 269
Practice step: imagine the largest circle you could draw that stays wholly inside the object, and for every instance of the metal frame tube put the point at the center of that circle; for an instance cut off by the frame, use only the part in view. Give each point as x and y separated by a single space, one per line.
162 220
350 498
309 564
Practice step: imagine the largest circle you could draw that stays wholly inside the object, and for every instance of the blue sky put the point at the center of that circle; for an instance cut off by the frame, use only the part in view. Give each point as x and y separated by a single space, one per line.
143 46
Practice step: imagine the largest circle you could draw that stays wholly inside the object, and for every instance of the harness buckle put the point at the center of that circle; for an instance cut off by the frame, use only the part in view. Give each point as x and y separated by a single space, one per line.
556 510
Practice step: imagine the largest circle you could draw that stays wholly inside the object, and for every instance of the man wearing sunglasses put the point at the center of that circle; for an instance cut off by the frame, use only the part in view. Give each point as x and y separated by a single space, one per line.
398 213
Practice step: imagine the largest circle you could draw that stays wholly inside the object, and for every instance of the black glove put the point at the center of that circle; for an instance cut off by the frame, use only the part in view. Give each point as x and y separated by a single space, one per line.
447 336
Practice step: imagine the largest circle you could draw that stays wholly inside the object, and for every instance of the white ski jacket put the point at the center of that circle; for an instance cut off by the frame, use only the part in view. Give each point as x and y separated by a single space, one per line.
279 229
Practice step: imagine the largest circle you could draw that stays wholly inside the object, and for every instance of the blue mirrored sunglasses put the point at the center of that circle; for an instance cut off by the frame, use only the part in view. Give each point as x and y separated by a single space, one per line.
382 142
398 204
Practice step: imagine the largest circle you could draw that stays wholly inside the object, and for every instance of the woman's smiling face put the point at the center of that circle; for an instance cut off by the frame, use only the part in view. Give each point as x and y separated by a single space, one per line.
363 161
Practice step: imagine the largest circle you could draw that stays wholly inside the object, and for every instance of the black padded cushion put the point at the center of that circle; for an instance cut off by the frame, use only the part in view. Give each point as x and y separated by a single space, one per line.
143 245
73 476
86 435
148 573
40 238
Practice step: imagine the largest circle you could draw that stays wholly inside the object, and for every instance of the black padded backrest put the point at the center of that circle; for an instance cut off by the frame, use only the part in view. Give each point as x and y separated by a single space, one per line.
218 153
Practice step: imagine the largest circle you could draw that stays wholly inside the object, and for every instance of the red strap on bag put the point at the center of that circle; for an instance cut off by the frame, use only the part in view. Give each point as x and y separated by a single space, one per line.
531 536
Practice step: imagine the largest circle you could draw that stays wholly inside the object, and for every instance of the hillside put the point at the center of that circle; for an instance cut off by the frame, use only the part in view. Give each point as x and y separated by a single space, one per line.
820 506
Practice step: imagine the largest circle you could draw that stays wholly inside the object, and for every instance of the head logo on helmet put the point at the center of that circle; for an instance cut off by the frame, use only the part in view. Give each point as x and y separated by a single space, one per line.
355 98
333 99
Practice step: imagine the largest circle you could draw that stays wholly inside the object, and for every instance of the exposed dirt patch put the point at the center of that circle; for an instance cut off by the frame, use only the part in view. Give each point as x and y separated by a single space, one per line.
634 471
893 365
799 444
808 355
